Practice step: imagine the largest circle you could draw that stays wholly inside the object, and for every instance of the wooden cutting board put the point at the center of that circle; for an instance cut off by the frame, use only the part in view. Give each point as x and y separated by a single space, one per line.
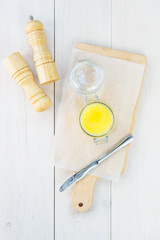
83 190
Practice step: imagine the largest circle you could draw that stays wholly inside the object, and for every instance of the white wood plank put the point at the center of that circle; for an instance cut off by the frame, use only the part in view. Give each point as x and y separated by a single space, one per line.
136 197
80 21
91 225
26 174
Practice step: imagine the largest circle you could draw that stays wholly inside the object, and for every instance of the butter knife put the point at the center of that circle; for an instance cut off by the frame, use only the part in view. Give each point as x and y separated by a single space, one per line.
86 170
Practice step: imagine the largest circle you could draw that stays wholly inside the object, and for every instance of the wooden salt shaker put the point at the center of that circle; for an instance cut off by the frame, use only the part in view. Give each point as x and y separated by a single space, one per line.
45 66
19 70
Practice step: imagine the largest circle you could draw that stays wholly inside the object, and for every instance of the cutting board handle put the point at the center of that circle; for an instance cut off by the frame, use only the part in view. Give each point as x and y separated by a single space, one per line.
83 193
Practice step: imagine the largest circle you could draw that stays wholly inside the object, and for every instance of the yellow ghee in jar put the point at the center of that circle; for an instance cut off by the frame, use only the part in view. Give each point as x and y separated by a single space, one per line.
96 119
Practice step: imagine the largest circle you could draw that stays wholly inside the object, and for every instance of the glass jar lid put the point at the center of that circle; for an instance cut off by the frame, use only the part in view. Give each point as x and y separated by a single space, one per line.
86 77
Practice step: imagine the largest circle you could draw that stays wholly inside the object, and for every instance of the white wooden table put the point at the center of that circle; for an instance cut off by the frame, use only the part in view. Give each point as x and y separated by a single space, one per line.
31 207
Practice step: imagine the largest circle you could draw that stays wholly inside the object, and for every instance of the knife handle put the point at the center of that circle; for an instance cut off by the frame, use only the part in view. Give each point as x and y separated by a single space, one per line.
83 193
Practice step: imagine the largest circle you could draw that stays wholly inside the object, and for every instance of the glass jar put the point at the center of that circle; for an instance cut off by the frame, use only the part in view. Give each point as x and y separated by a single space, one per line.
96 118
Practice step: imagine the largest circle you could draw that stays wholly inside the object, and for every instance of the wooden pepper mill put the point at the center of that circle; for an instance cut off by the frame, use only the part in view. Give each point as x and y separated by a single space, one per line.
19 70
45 66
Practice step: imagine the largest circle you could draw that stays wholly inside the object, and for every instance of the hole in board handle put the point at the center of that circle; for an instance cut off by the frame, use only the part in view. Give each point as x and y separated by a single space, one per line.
80 204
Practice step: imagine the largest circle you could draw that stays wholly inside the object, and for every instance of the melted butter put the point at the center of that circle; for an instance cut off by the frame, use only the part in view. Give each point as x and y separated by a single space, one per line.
96 119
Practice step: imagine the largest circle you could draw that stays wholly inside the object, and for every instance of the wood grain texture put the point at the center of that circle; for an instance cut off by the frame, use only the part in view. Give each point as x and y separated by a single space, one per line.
136 58
70 224
128 56
135 198
45 66
80 193
80 21
83 193
19 70
26 174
